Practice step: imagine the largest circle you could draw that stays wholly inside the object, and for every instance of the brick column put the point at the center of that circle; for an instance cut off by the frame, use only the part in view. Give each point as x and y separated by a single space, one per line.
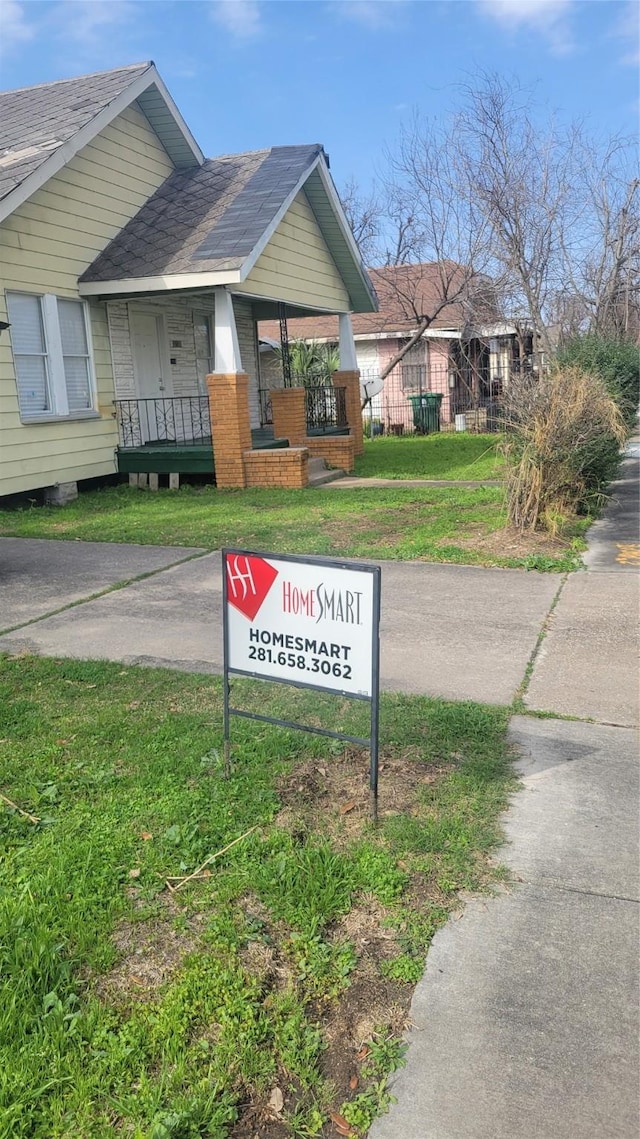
230 426
289 414
350 381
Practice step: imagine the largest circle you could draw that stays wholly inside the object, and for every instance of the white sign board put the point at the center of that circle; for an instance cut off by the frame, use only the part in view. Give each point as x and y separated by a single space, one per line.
304 621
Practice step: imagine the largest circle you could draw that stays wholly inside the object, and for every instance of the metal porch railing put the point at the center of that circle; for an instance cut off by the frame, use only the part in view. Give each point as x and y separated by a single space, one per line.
183 420
326 407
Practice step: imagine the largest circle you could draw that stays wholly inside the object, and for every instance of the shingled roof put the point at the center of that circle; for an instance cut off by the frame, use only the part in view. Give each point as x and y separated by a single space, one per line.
404 293
37 122
206 219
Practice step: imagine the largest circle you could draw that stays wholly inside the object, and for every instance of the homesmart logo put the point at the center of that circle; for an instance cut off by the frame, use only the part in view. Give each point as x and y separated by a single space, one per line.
249 580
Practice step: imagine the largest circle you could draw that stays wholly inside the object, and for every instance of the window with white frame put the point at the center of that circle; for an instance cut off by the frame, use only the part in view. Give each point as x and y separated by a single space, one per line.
50 341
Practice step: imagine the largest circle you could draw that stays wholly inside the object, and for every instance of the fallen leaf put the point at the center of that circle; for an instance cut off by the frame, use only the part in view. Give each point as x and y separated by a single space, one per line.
133 705
340 1124
364 1052
346 807
61 743
134 873
137 980
402 864
276 1101
146 835
353 1082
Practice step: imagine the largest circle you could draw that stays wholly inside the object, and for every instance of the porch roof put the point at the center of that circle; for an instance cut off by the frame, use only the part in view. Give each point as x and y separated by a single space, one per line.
207 226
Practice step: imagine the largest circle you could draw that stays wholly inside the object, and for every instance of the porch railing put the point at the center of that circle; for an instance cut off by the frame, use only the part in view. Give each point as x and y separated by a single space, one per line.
183 419
326 407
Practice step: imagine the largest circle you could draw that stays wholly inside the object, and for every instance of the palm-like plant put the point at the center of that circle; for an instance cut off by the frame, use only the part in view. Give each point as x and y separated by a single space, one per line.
311 362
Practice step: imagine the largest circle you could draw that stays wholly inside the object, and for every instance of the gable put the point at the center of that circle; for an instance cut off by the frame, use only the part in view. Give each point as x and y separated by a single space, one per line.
43 127
296 265
48 241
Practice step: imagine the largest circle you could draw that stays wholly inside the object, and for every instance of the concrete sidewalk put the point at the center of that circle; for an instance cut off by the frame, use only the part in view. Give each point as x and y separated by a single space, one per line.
460 632
588 661
525 1024
526 1020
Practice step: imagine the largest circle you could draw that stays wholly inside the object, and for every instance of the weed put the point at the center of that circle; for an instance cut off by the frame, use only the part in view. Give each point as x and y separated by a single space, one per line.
125 1009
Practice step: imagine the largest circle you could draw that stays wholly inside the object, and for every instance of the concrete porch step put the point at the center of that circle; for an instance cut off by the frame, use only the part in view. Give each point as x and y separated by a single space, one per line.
319 474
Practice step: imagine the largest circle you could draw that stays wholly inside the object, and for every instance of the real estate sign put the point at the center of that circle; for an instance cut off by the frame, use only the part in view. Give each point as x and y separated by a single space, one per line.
303 621
309 622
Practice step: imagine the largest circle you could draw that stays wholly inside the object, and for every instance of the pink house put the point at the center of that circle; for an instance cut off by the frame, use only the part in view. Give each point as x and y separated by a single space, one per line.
465 355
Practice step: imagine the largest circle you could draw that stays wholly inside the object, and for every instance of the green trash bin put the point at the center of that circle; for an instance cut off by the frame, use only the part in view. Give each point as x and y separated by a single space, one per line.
426 412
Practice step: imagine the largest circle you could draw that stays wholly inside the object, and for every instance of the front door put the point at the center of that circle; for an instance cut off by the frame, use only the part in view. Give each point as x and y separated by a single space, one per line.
151 374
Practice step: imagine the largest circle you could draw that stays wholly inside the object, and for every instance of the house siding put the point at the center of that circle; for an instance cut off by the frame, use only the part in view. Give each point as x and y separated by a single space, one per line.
296 265
44 246
248 345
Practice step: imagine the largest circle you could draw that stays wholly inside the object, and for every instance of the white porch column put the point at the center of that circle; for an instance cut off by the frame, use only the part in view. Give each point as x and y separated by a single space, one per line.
348 359
227 349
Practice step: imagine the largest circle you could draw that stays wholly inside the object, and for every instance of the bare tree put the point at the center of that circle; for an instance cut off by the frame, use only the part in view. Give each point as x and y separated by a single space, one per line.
434 237
603 263
365 216
504 212
524 176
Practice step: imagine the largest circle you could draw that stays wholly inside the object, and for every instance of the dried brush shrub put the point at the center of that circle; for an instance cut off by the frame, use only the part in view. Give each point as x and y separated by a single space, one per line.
563 433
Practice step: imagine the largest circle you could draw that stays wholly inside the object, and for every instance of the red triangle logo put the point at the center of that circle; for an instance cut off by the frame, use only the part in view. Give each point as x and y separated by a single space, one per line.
249 580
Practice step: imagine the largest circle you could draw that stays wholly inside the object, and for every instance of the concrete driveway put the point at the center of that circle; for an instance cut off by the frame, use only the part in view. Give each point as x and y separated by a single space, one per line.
459 632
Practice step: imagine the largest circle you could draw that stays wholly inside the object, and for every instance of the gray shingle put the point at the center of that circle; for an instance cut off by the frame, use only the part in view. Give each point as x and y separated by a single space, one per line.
35 121
205 219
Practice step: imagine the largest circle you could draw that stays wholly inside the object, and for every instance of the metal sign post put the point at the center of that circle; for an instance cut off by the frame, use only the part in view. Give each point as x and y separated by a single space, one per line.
305 622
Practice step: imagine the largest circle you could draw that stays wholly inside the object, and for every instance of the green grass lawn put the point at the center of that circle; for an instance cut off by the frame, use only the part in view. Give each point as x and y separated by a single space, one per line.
446 524
283 973
444 456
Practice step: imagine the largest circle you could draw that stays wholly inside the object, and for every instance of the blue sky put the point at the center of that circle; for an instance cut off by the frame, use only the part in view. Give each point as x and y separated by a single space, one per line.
253 73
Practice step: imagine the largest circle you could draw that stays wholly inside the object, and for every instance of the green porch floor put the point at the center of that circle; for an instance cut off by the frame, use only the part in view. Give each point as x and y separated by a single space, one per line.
182 458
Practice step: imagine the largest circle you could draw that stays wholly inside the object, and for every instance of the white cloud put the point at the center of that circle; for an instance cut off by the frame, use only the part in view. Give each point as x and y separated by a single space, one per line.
88 22
370 13
241 18
14 29
548 17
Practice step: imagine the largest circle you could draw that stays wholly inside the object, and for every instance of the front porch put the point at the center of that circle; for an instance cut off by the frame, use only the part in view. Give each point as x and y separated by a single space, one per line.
172 436
168 353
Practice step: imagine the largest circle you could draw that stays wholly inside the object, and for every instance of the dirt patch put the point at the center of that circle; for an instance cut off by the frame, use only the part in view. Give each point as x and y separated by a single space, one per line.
370 1005
509 543
336 790
365 927
151 950
258 1121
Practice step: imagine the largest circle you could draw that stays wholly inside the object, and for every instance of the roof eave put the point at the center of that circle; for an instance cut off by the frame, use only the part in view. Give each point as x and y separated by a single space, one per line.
368 301
334 198
166 282
60 157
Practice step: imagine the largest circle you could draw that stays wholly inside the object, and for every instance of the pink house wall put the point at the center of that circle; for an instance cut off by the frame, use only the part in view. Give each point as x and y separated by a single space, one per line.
396 409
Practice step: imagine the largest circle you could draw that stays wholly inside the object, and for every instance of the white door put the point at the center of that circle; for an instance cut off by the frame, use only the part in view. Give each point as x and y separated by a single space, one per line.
151 373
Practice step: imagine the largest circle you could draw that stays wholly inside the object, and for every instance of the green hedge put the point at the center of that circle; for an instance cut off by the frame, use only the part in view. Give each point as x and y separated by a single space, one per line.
616 361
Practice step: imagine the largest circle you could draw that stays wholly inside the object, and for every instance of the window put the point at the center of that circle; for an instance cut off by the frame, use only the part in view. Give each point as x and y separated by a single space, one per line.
50 341
204 348
414 377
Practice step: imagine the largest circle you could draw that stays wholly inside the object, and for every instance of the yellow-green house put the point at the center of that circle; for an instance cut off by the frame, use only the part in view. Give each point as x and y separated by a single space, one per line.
131 267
